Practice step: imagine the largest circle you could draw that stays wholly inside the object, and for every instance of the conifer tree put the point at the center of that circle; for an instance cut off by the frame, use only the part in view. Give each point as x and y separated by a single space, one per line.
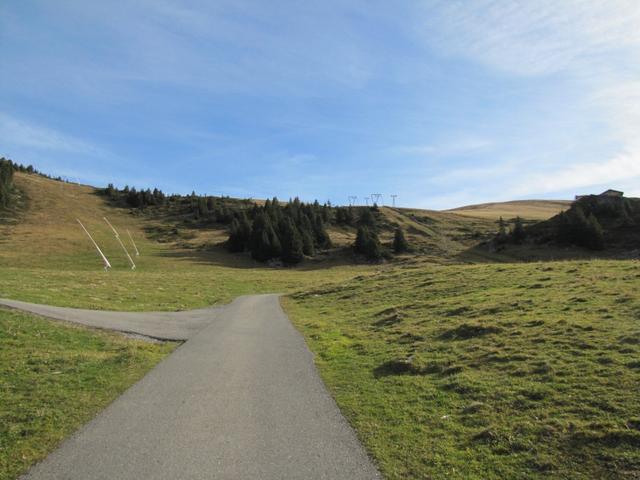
158 197
367 219
400 244
6 182
133 199
307 234
575 228
349 216
262 251
244 229
518 233
257 228
110 191
362 238
264 243
235 243
326 213
367 243
322 237
292 246
239 234
307 243
203 210
563 229
373 249
595 235
502 228
274 249
624 213
578 227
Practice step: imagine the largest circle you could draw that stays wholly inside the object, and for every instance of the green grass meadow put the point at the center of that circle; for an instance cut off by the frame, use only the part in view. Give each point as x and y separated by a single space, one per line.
54 377
486 371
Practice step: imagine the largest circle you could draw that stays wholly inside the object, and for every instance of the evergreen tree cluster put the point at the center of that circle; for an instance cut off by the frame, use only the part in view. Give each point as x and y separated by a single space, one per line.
572 227
345 216
17 167
203 209
7 169
144 198
367 241
502 236
6 182
135 198
516 234
576 228
215 209
286 232
618 210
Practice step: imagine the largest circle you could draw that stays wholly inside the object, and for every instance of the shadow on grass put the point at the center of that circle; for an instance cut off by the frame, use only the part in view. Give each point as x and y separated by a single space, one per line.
484 253
407 367
217 255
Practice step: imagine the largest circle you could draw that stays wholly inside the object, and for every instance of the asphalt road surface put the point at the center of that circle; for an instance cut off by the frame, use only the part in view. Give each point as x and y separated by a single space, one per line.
241 399
160 325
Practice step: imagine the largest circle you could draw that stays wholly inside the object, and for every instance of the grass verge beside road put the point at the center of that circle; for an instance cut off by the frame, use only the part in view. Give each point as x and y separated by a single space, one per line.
178 287
486 371
54 377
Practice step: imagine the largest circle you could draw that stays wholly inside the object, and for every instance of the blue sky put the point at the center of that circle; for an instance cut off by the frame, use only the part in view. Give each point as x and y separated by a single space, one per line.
443 103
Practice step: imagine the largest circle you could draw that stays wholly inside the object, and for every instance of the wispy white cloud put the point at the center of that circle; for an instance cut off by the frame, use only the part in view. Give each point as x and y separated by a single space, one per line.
580 175
223 46
536 38
16 132
462 145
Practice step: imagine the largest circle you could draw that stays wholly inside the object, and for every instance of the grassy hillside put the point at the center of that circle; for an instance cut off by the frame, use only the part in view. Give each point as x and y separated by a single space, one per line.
439 235
47 258
526 209
48 236
12 202
486 371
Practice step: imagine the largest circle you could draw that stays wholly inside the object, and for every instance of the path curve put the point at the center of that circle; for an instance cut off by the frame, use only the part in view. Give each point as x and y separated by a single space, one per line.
241 399
159 325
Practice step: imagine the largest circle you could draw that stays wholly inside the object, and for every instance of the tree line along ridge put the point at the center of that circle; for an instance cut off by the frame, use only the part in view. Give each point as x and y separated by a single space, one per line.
275 230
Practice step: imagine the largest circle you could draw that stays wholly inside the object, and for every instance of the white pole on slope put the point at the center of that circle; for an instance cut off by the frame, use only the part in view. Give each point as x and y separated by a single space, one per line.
107 265
133 243
115 232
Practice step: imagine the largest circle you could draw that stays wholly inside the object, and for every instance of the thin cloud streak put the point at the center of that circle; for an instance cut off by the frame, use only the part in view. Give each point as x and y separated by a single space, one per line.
25 134
582 175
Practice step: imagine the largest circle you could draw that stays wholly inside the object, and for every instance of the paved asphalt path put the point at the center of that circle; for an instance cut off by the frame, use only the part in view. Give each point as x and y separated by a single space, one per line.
159 325
241 399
